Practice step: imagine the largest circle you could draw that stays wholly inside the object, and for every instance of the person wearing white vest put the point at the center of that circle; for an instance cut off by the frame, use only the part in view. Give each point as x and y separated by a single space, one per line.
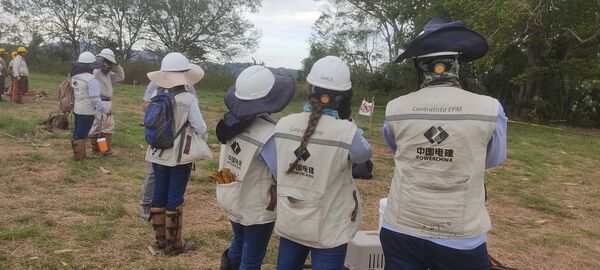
148 187
86 90
170 172
104 124
249 202
443 138
318 204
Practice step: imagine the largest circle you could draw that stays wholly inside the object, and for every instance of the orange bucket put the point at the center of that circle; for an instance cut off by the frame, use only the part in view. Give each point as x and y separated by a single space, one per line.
102 144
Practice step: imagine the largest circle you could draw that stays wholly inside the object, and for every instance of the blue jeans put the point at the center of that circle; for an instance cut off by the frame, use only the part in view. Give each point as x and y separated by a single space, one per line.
169 185
405 252
249 244
293 255
82 126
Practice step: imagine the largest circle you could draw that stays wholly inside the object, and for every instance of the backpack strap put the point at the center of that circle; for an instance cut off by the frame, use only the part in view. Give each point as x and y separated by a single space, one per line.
181 132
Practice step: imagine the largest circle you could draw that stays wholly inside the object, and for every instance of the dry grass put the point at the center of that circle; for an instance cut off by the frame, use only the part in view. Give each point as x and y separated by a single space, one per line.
58 214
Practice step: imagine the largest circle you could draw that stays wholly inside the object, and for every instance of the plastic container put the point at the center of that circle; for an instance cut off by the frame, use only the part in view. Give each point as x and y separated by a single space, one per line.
365 252
102 145
382 205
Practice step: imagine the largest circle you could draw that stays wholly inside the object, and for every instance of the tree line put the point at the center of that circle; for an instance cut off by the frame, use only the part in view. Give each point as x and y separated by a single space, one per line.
543 63
200 29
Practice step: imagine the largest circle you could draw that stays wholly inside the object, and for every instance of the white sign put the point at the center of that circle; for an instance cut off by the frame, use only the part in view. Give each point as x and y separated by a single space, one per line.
366 108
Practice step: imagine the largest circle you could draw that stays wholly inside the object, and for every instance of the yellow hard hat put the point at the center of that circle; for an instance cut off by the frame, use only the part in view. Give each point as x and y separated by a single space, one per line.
13 54
21 49
2 50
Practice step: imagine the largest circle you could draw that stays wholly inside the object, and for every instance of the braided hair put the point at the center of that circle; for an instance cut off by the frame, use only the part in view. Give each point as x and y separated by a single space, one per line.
313 121
318 105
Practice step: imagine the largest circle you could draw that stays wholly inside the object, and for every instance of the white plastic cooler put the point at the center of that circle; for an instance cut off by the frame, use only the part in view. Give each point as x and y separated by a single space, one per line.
364 252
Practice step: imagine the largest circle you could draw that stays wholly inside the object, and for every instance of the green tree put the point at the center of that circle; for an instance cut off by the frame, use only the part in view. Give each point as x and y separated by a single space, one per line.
121 24
203 28
64 20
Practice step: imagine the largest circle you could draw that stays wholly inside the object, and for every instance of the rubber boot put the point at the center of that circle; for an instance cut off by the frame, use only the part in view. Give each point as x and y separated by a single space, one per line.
79 149
175 243
157 215
94 144
227 264
108 137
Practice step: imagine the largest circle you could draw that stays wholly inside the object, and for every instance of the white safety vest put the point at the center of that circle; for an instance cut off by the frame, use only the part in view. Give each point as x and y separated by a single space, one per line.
245 201
83 104
441 135
318 204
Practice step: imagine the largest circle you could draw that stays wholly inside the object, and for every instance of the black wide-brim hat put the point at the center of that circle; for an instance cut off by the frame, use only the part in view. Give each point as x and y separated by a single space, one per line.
275 101
442 35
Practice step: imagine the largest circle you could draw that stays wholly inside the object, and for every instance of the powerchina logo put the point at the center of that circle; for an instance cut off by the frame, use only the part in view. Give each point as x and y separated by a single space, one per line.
300 169
435 135
233 161
235 146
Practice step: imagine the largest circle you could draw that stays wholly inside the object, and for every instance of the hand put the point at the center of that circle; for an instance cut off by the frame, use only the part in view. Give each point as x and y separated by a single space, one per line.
109 113
145 105
18 78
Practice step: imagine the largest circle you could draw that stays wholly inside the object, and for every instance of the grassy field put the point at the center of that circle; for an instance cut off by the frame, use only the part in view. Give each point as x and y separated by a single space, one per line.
59 214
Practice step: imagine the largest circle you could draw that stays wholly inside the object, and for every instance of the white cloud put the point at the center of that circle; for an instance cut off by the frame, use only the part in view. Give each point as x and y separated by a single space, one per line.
286 27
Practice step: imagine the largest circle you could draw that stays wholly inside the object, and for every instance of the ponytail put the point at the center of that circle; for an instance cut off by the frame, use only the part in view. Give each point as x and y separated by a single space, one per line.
313 120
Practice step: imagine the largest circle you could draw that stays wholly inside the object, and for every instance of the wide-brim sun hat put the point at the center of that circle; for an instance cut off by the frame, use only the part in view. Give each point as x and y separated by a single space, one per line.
442 35
257 91
175 69
107 54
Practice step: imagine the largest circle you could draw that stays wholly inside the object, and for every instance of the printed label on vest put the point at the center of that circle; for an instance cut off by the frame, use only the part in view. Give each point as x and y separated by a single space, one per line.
438 109
435 135
234 161
304 170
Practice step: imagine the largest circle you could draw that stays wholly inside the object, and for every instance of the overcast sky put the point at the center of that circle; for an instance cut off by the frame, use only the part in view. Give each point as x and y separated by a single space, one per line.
286 27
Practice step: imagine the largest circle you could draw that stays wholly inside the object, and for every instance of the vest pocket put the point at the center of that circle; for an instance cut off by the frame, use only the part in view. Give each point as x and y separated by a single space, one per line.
300 219
433 201
228 197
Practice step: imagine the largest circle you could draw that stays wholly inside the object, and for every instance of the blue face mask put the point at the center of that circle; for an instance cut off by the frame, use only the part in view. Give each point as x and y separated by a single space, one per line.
330 112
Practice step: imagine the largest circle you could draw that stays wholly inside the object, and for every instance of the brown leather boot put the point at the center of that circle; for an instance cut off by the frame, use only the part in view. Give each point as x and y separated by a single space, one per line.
94 144
108 137
157 215
79 149
175 243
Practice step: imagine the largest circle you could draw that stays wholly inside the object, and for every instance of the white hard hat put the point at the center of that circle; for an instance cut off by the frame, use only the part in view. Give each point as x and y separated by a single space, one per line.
253 83
330 72
175 62
86 58
108 54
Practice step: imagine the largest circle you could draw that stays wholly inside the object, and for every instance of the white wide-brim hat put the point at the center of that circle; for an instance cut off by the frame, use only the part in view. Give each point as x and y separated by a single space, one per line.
170 79
108 54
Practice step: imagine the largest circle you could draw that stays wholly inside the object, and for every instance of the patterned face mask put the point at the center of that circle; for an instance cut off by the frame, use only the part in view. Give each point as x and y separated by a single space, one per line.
439 71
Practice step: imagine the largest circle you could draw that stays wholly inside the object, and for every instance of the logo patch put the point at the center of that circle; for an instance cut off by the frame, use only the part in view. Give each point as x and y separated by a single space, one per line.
436 135
235 146
304 155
